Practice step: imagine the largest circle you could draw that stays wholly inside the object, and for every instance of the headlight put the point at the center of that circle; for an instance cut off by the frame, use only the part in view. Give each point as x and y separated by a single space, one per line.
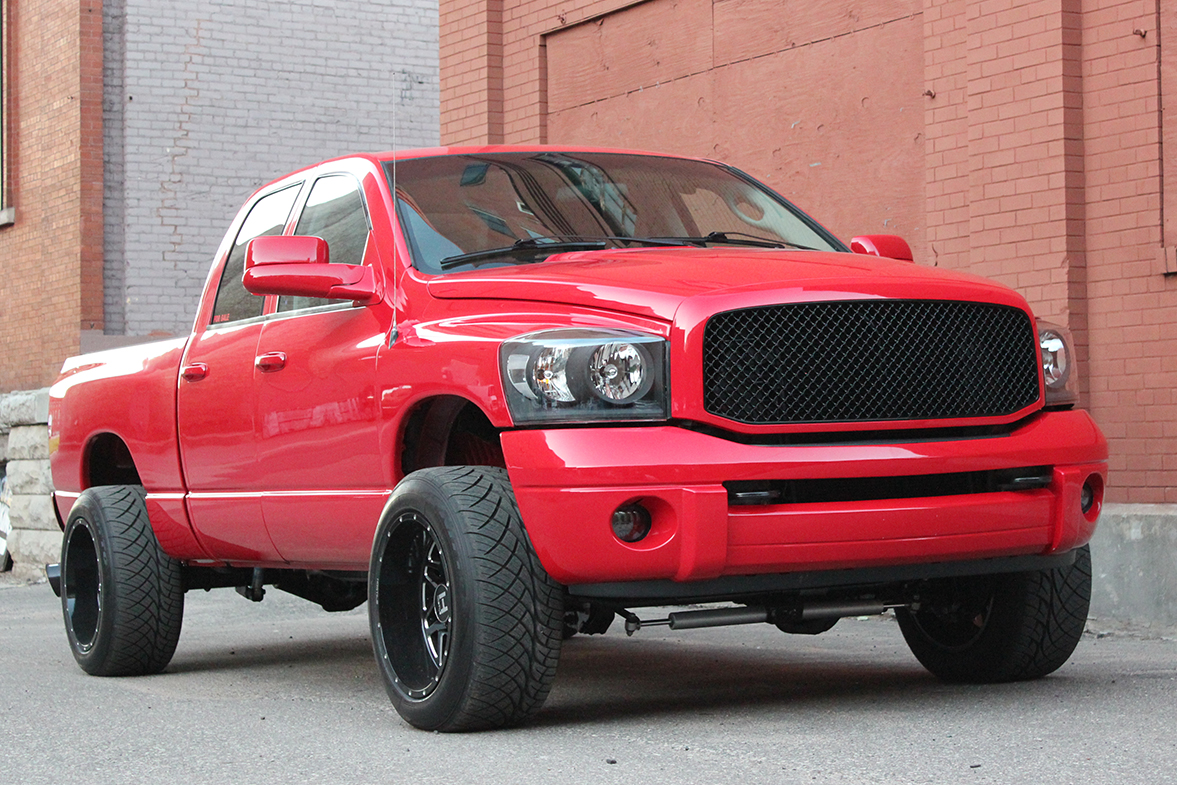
1055 347
574 375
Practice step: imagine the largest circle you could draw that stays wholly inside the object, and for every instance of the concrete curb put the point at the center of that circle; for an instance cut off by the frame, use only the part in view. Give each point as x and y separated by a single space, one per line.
1134 558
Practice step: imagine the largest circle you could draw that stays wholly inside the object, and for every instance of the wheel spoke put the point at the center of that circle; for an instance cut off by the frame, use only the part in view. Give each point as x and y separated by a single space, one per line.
435 598
417 614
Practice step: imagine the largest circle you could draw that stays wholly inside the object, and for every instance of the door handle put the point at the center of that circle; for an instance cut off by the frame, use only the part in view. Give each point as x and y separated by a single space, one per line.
270 362
194 372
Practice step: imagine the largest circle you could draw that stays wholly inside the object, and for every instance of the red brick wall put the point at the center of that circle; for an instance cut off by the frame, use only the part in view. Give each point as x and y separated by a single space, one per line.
1133 306
1004 162
1045 170
1021 140
90 163
53 253
471 60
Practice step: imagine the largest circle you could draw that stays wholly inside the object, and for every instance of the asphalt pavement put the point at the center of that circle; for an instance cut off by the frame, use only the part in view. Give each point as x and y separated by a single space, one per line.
282 692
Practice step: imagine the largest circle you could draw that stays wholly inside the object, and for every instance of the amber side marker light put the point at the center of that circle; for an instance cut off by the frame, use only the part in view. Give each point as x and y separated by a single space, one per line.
631 522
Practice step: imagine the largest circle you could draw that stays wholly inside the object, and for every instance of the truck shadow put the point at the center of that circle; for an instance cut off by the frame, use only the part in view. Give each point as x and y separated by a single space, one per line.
615 678
610 678
337 653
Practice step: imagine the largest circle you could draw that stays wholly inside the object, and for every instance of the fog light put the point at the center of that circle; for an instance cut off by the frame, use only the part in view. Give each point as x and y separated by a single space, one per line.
1086 497
631 522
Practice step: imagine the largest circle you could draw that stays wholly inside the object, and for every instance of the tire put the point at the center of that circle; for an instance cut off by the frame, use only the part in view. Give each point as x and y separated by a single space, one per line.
122 597
1000 628
466 624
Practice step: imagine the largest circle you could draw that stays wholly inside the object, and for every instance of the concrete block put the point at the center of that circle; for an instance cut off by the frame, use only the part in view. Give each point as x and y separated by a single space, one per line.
25 408
32 550
33 513
28 443
1134 564
29 478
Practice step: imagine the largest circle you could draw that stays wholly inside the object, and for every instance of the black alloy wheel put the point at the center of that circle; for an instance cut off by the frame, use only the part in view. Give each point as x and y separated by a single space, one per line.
416 616
122 597
466 624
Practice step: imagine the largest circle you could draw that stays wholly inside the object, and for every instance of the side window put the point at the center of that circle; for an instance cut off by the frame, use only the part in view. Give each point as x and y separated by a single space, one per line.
267 217
335 212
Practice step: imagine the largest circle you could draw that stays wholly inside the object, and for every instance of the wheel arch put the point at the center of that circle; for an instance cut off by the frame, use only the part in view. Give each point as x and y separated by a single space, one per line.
107 460
446 430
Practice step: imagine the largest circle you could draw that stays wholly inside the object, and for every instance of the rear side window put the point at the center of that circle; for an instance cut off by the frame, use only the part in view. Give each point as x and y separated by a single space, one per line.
334 211
267 217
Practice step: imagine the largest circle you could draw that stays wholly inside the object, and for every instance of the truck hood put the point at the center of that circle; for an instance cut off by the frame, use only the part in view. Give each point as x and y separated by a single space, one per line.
654 282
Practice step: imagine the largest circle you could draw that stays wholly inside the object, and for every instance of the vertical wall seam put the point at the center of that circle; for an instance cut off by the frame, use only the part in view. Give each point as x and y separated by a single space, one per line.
542 98
1165 239
90 168
114 157
495 108
1075 182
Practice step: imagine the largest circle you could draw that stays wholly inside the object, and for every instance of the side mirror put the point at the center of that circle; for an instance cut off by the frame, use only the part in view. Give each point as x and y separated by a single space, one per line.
887 246
300 266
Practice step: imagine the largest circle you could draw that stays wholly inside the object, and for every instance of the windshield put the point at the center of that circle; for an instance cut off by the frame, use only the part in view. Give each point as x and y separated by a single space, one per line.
464 211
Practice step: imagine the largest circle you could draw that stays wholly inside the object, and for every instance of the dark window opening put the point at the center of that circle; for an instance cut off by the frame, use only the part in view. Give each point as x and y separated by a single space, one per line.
335 212
266 218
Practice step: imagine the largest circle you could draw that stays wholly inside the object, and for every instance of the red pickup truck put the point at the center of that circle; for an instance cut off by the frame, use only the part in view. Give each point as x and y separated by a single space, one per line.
507 395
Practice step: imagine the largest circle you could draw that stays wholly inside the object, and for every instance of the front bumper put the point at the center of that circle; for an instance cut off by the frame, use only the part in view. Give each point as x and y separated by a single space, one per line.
569 481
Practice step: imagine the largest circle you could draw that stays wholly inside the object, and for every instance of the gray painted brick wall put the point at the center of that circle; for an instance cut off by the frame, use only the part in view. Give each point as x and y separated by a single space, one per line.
204 102
114 53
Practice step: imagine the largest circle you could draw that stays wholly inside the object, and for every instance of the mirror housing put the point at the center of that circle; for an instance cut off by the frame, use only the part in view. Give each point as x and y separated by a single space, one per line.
300 266
888 246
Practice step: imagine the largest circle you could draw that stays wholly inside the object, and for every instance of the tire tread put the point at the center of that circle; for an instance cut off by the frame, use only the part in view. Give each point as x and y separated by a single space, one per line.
1036 622
518 676
518 612
146 592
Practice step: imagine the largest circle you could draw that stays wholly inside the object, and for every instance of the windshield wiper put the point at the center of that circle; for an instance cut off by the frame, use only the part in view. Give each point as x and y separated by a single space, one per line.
550 244
526 246
735 238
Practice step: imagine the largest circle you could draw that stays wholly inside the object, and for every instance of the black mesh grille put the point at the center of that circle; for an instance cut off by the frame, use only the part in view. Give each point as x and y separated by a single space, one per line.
868 360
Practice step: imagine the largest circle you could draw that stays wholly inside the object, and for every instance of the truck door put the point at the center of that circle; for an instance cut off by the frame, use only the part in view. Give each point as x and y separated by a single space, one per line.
317 417
215 403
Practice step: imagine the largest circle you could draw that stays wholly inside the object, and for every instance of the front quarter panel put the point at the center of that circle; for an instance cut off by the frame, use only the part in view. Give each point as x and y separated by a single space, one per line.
454 349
